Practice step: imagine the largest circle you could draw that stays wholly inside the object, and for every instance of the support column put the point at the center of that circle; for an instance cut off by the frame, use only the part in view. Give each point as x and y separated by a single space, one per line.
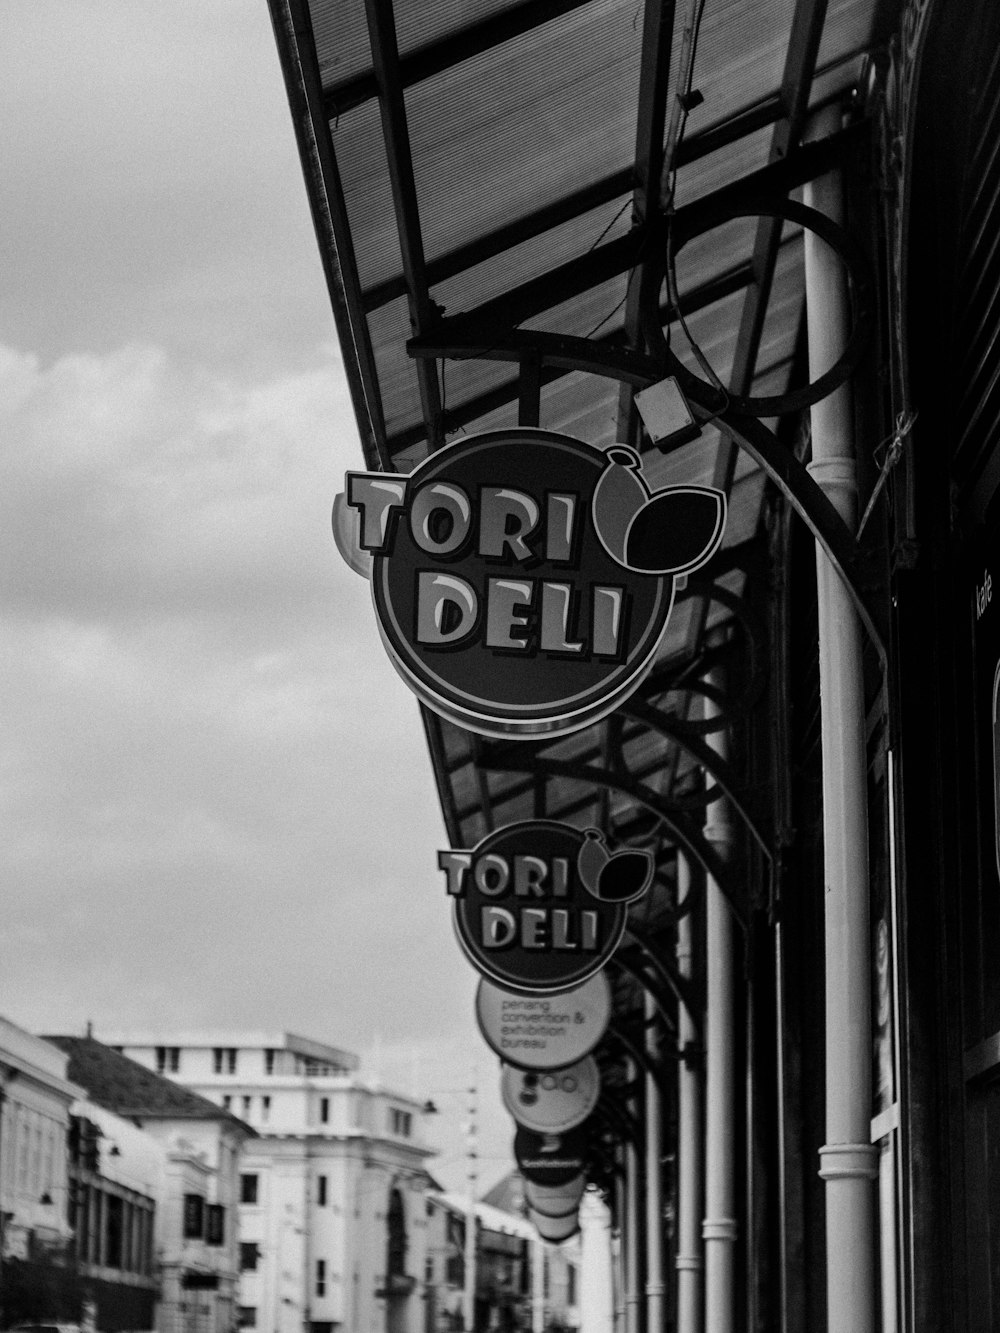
848 1159
719 1229
655 1289
689 1130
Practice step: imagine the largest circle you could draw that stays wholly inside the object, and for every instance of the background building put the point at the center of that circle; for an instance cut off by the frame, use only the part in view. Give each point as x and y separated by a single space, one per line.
188 1159
35 1098
332 1215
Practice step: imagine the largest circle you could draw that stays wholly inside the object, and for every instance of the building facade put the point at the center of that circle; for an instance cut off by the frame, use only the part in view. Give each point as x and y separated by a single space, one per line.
149 1137
36 1094
332 1220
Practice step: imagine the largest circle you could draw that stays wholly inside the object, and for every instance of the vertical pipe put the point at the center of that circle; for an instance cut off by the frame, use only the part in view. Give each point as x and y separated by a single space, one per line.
848 1164
689 1153
719 1228
655 1289
618 1253
632 1232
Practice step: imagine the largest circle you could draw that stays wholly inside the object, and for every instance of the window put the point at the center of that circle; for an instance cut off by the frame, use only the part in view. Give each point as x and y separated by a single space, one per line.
269 1061
249 1255
248 1188
570 1284
401 1122
265 1109
168 1059
321 1191
194 1217
227 1102
247 1102
215 1224
324 1110
224 1060
396 1228
114 1232
247 1316
320 1277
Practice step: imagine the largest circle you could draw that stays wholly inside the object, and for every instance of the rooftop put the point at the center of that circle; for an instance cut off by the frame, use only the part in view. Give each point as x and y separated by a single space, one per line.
129 1089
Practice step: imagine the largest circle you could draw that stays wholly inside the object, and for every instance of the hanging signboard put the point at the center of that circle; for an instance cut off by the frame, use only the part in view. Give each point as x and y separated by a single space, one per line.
555 1200
550 1159
555 1229
522 579
540 907
544 1031
552 1102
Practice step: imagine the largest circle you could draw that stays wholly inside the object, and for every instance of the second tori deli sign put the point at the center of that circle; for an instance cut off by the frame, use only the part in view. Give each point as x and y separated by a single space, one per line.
523 579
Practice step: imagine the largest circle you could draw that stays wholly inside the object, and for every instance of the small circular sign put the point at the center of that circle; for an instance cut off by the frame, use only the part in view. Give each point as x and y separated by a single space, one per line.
555 1200
544 1031
526 915
523 579
550 1159
555 1229
551 1102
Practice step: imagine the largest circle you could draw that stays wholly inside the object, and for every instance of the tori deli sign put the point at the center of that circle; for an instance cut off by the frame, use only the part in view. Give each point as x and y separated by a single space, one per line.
523 579
539 906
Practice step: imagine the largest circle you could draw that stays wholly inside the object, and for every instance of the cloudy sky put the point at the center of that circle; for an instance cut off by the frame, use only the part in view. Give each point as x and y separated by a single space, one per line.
218 810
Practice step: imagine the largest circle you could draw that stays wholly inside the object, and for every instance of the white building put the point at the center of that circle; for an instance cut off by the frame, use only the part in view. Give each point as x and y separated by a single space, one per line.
332 1217
35 1099
183 1150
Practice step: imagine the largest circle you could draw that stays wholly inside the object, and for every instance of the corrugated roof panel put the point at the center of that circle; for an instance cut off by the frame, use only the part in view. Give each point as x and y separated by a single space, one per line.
364 171
847 28
397 372
341 32
544 114
534 257
740 56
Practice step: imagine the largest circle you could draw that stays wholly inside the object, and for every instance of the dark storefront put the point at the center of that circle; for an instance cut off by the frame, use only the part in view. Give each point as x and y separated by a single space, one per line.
530 213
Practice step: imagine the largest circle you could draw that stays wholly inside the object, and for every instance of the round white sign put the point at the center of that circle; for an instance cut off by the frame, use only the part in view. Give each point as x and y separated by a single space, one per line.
544 1031
555 1229
553 1101
555 1200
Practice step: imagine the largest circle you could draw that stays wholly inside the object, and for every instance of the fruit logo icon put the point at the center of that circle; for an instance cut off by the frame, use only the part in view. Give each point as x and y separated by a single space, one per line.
613 877
670 531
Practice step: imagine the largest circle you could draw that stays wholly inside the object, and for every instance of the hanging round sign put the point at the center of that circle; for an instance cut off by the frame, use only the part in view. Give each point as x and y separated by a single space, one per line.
544 1031
555 1200
550 1159
552 1102
523 579
540 907
555 1229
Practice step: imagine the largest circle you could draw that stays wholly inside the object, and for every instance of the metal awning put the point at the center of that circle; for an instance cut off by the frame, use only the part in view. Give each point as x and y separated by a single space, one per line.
524 209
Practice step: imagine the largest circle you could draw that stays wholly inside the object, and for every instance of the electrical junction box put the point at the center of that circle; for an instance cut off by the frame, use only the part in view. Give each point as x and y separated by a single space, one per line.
666 415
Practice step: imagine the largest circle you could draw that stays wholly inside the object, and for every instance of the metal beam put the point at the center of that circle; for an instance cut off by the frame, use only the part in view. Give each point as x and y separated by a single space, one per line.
297 53
598 265
654 74
385 57
603 191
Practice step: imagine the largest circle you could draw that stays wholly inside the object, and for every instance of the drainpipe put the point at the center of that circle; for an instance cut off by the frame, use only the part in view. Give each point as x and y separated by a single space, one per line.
689 1155
655 1289
719 1227
618 1254
631 1235
848 1159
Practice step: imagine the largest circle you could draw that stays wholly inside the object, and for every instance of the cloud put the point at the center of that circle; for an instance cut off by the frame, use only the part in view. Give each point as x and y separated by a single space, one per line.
210 771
